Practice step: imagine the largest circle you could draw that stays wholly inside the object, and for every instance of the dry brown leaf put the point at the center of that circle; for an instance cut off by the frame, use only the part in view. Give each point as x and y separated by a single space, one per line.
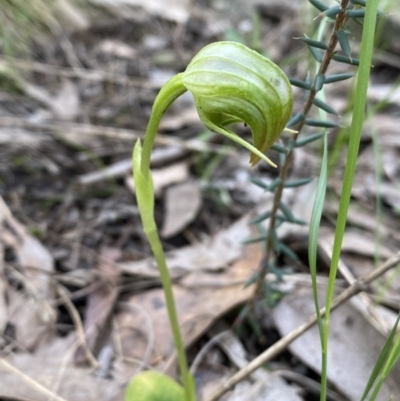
354 345
267 387
362 218
358 242
66 105
215 253
198 307
182 203
100 304
51 366
379 92
175 122
119 169
387 127
378 316
116 48
30 312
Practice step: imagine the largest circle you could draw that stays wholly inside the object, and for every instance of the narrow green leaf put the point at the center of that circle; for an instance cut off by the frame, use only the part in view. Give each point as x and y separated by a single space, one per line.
299 84
297 183
307 92
333 11
279 148
359 2
314 43
319 82
275 241
274 184
260 183
253 279
358 115
295 119
319 123
355 13
283 219
322 105
263 216
316 53
338 77
346 60
381 360
392 359
343 41
288 252
313 246
282 158
286 211
308 139
252 240
319 5
267 187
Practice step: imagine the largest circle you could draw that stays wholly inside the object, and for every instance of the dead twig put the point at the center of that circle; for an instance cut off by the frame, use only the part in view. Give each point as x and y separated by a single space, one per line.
78 325
355 288
33 383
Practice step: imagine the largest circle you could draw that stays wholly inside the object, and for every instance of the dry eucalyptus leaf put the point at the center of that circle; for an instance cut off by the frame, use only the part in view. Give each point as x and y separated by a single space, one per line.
52 367
30 311
359 242
66 105
182 203
354 345
144 331
100 303
214 253
186 117
270 390
267 386
116 48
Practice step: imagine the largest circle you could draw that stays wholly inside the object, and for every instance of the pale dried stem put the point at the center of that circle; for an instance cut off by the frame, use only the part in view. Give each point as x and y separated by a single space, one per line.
78 325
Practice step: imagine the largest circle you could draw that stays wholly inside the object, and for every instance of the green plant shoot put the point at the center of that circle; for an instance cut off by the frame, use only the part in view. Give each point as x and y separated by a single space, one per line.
230 83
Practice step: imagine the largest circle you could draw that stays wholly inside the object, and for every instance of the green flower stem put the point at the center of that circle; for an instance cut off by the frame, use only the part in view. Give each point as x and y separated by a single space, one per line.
230 83
168 93
145 198
366 51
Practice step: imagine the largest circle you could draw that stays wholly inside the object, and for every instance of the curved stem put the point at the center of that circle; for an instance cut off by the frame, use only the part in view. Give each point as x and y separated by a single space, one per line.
168 93
145 198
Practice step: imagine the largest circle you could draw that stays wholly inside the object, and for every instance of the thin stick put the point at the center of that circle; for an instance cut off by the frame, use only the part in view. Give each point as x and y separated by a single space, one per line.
78 325
283 343
339 23
33 383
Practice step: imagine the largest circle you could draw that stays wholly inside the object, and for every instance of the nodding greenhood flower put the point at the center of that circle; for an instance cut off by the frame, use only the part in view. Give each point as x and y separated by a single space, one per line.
231 83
